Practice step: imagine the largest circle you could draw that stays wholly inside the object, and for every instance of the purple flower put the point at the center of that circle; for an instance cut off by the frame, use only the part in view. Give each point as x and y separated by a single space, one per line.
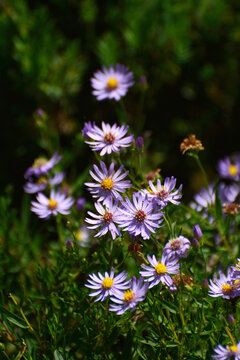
204 198
159 271
228 169
106 285
106 219
226 286
130 298
41 166
109 138
108 183
80 204
228 193
139 143
83 237
164 193
177 247
42 183
57 203
88 126
112 83
139 217
229 352
197 232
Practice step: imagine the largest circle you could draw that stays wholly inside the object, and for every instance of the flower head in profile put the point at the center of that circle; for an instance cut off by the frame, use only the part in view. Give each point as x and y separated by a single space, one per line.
57 203
129 298
164 193
225 286
106 220
42 183
177 247
41 166
228 352
112 83
191 143
108 138
106 285
160 270
108 182
229 169
139 217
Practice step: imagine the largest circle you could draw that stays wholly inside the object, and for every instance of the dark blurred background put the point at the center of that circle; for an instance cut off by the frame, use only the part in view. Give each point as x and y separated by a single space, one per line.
188 51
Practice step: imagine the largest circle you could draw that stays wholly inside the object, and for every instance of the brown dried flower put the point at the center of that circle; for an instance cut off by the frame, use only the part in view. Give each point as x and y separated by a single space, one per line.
135 248
187 280
191 143
231 208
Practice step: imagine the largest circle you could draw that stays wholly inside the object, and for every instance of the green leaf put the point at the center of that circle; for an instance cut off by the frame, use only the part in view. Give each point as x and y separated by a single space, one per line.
14 319
58 355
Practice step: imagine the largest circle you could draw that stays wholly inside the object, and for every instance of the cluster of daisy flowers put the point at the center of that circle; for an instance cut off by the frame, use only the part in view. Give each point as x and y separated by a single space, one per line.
42 177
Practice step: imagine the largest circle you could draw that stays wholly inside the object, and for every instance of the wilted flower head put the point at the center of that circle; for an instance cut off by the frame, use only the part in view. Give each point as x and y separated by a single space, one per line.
191 143
177 247
231 208
228 352
229 169
112 83
109 138
41 166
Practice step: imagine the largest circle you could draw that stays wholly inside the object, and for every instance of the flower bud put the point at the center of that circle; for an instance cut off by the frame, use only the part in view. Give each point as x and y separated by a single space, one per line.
68 243
205 283
197 232
230 319
80 204
139 143
195 242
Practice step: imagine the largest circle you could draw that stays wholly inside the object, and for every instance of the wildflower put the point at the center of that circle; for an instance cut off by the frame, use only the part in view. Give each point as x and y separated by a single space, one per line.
41 166
177 247
195 242
42 183
57 203
139 143
229 352
229 169
159 271
83 237
197 232
204 198
109 138
106 219
69 244
225 286
228 193
230 319
231 208
108 183
129 298
191 143
80 204
112 83
236 270
106 285
88 126
178 279
163 194
139 217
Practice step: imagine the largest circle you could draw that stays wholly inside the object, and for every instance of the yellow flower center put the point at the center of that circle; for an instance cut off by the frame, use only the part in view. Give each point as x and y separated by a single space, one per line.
107 283
162 194
160 269
52 204
39 162
107 184
109 138
107 217
236 282
233 348
42 180
78 235
233 170
112 83
227 289
128 295
140 215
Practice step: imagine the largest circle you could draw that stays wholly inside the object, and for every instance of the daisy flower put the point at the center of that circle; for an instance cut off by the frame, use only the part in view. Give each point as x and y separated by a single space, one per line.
139 217
106 285
177 247
105 220
159 271
108 183
130 298
41 166
163 193
42 183
226 286
204 198
112 83
229 352
109 138
229 169
57 203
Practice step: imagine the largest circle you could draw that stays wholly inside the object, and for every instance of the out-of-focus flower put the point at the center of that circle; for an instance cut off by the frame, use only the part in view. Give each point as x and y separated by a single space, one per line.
163 193
143 81
195 242
41 166
106 285
139 143
87 127
108 183
57 203
112 83
39 112
80 204
230 319
109 138
152 175
231 208
159 271
42 183
69 243
106 220
129 298
228 193
229 169
226 286
177 247
204 198
197 232
191 143
229 352
83 237
139 217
